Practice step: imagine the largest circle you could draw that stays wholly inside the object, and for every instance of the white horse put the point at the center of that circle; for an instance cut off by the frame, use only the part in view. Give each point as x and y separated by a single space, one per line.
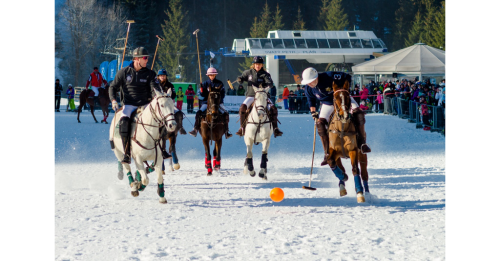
258 130
145 140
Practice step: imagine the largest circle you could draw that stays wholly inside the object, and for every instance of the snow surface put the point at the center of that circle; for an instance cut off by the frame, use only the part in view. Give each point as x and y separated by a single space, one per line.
230 215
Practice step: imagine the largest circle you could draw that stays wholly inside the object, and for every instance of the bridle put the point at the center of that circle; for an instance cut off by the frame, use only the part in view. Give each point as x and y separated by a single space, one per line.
337 110
343 120
260 123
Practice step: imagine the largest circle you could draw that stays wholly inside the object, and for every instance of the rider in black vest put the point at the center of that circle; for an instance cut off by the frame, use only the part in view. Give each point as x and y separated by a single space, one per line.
136 84
256 77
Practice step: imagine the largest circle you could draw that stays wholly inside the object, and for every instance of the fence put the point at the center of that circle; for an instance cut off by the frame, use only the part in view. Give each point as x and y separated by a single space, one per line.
434 118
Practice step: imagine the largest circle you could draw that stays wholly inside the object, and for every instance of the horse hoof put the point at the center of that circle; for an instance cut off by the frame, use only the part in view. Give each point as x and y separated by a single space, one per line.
209 174
120 175
361 198
262 173
252 173
134 193
102 121
145 181
177 166
343 191
79 122
106 122
264 178
163 200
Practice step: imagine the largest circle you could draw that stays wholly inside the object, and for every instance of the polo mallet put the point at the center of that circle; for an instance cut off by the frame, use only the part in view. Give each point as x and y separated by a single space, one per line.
230 84
158 43
126 38
198 49
312 161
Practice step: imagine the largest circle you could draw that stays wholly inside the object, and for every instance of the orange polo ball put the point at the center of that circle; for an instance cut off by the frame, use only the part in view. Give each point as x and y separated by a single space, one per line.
277 194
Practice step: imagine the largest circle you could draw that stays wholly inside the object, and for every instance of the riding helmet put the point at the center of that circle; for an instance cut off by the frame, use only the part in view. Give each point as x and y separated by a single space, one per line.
140 52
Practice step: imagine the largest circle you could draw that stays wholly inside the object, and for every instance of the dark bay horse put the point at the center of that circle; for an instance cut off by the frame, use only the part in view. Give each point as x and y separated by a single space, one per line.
343 143
212 129
87 96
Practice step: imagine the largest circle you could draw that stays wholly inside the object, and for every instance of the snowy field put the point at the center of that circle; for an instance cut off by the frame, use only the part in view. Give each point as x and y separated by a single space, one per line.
230 216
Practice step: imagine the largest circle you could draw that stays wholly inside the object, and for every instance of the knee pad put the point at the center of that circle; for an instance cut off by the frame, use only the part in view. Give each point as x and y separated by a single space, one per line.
124 125
321 125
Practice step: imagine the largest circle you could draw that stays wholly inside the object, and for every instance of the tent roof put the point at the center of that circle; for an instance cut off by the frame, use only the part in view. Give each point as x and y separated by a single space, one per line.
418 58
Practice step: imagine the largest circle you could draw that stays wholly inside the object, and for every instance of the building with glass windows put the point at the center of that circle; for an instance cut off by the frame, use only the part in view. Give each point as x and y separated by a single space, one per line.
319 48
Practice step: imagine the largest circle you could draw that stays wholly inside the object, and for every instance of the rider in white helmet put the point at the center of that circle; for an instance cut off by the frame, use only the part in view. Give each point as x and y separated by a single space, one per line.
319 87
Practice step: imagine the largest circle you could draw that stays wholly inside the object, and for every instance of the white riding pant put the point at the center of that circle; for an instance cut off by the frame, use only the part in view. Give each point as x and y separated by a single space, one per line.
96 90
248 101
128 110
327 110
222 109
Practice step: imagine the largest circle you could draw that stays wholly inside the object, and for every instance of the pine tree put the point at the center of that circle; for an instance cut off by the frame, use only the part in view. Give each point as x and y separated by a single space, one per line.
438 29
416 32
428 21
141 32
299 23
323 12
176 41
403 23
336 18
277 23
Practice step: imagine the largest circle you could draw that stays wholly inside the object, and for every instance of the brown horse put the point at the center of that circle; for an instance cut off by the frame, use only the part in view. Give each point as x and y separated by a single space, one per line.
212 129
343 144
87 96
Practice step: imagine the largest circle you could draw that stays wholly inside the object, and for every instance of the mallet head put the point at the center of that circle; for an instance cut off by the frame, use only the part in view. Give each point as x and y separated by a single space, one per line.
196 31
130 21
159 38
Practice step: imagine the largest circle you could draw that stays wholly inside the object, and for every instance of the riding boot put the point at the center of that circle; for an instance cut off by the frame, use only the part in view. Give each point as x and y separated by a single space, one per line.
321 125
226 126
243 115
163 144
178 119
274 121
125 135
359 123
197 120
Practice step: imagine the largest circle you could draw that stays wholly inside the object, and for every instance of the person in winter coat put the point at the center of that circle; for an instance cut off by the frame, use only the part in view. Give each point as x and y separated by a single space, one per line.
136 83
241 91
286 92
363 106
441 101
180 98
71 98
272 94
207 87
190 98
291 102
257 76
59 89
95 80
379 102
356 94
364 93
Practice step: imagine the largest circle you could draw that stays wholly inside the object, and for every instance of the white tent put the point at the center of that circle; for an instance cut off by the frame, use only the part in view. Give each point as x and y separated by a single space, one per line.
418 59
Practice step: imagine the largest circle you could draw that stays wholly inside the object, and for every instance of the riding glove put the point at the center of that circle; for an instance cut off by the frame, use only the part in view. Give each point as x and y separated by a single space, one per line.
315 115
114 105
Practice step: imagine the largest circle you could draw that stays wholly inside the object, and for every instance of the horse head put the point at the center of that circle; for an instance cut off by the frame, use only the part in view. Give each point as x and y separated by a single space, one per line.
164 109
213 103
261 100
341 98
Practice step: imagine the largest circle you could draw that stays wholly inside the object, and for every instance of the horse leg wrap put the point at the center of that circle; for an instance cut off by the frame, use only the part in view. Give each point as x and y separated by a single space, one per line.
130 178
339 174
161 190
207 161
138 178
357 184
250 164
365 184
263 161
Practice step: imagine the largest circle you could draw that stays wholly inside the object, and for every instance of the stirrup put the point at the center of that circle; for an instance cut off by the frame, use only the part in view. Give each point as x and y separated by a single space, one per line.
365 148
193 132
165 154
228 134
126 159
182 131
277 132
241 132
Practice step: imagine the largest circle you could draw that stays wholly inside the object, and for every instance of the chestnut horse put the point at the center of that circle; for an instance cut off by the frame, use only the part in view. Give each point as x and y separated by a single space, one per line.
212 129
343 143
87 96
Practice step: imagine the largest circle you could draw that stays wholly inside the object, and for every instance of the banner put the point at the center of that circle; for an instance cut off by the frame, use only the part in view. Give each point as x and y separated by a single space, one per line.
103 68
233 103
111 70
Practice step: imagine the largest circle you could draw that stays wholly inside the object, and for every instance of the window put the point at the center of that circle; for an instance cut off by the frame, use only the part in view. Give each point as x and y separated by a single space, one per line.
366 43
351 34
382 42
356 43
300 43
278 43
289 43
322 43
345 43
254 43
334 43
311 43
266 43
272 35
376 43
297 34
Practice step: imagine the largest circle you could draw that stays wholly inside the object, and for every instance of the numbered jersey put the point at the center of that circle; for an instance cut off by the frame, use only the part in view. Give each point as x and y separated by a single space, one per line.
324 90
